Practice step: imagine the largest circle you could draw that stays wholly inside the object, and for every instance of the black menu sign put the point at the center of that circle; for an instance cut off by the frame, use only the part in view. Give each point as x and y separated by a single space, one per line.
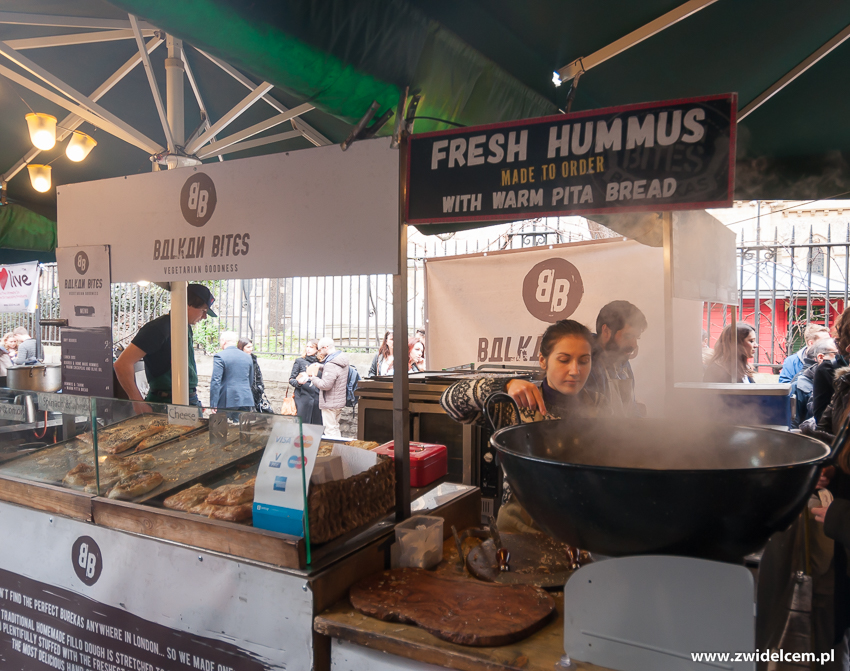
673 155
87 361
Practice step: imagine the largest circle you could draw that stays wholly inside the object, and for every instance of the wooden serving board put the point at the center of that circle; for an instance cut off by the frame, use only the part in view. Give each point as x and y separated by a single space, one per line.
535 559
461 611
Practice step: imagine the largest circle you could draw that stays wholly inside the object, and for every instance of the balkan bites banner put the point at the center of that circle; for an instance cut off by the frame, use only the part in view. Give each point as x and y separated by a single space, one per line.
19 287
493 309
672 155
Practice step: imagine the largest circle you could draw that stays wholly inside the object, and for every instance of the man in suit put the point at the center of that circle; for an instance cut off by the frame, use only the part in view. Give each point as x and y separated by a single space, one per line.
233 370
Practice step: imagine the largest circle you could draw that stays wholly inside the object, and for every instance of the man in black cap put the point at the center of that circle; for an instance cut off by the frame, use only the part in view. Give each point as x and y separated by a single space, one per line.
153 344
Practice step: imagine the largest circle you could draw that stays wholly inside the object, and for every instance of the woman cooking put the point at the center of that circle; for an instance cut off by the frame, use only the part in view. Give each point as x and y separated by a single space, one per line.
565 358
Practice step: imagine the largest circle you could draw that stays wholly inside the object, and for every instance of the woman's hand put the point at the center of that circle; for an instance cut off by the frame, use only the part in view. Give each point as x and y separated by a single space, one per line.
819 513
826 476
302 378
526 394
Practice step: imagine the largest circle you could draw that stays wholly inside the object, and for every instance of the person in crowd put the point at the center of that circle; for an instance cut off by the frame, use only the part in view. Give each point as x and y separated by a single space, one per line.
567 361
153 345
707 352
5 362
232 374
420 333
382 364
619 326
802 385
306 394
10 344
824 375
415 355
332 384
258 387
835 514
732 353
796 362
27 346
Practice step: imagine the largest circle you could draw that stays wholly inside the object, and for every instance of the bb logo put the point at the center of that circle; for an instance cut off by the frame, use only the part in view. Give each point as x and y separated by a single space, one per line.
87 560
308 441
81 263
552 290
295 462
198 199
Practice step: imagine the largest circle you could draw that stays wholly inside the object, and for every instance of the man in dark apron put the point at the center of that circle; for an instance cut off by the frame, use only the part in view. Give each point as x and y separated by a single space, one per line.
153 345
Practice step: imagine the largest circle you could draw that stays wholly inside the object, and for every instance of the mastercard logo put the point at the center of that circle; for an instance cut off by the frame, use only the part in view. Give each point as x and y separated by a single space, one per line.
295 462
307 440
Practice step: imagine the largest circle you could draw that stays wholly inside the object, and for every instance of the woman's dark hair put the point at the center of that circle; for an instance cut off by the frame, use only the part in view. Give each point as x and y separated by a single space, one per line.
842 332
242 342
410 345
384 350
727 350
562 329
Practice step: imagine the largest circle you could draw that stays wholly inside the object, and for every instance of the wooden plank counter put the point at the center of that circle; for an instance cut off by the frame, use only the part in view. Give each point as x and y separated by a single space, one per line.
538 652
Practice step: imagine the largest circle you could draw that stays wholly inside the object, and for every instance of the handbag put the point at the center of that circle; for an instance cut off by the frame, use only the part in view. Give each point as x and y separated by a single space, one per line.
288 405
265 405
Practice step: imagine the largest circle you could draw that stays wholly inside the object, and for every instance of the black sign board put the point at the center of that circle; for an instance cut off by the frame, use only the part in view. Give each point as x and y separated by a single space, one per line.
87 361
674 155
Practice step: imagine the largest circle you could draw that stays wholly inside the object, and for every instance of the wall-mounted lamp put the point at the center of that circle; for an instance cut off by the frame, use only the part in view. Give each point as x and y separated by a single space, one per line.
40 177
42 130
79 146
143 283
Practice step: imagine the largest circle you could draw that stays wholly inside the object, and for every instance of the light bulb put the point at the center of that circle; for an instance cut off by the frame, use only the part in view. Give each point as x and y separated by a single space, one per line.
42 129
143 283
79 146
40 177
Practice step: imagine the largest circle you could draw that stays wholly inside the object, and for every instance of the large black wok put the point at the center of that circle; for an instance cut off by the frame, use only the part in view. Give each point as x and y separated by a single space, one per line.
645 486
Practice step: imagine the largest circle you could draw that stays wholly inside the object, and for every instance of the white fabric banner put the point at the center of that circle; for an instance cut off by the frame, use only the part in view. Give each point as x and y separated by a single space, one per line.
19 287
318 211
493 308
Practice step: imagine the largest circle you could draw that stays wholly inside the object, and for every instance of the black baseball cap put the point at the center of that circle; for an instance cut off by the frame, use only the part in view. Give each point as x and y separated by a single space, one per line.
201 292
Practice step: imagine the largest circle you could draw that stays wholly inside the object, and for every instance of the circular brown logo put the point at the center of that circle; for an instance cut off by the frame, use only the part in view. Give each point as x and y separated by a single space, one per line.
81 263
87 560
552 290
198 199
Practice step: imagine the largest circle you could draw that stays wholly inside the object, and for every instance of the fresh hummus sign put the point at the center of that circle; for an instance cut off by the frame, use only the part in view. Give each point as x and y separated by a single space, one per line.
675 155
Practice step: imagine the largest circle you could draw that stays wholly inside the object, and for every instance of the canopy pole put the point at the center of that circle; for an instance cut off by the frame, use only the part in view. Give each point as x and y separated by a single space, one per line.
179 315
669 342
401 391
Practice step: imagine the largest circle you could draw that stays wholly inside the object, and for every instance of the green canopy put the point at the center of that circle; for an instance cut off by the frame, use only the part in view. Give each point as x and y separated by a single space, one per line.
25 236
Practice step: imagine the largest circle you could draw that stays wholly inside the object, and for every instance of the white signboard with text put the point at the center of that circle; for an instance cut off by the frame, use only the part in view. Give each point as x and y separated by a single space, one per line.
19 287
318 211
79 597
85 295
494 308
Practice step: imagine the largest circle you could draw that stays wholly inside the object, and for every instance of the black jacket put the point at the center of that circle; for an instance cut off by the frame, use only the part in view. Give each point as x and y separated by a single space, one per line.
822 385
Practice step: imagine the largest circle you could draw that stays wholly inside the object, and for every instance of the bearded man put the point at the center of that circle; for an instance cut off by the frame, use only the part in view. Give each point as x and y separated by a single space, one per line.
619 326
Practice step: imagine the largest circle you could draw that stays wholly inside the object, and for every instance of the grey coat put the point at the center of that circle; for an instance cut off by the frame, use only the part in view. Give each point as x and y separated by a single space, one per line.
230 385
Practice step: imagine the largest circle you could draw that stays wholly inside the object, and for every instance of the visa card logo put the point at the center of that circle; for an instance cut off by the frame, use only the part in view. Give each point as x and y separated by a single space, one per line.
280 483
275 463
295 462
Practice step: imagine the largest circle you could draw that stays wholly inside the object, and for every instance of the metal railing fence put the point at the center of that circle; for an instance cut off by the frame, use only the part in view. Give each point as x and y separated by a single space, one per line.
785 286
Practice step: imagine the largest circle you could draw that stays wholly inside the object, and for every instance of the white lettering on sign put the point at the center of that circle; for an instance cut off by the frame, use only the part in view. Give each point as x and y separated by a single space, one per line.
67 404
183 416
11 412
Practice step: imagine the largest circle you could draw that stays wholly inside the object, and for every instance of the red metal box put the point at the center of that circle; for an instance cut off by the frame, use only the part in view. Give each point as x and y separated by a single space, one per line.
428 462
